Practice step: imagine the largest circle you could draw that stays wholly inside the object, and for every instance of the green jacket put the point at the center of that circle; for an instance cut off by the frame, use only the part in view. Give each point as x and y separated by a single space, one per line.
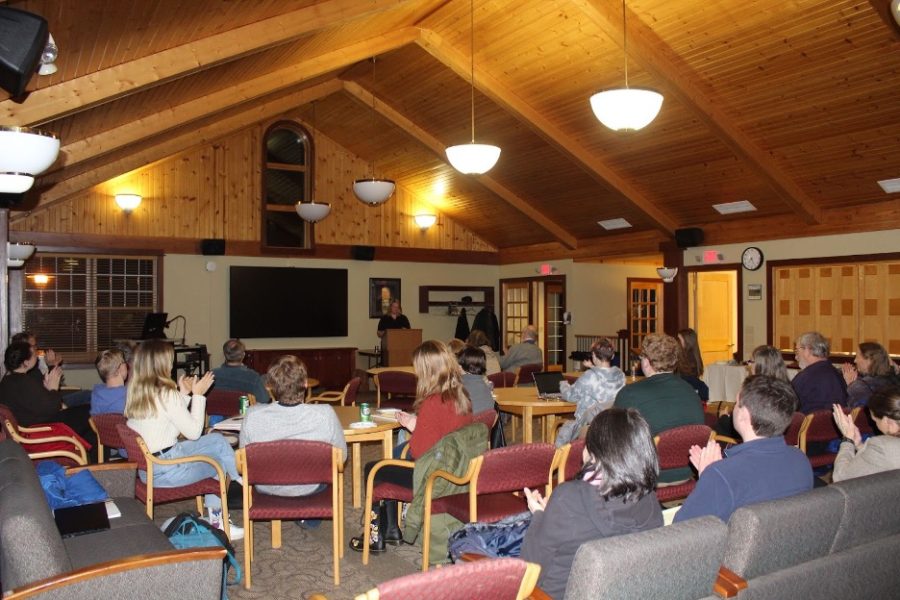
452 454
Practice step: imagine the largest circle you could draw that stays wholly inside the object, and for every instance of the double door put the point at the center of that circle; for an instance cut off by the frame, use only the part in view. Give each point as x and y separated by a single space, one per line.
538 301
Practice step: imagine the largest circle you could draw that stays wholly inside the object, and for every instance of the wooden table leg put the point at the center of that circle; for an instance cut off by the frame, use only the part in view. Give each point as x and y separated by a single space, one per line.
357 458
526 425
387 444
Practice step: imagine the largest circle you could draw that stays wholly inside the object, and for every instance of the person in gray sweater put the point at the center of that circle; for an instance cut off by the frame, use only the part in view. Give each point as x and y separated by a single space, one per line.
878 453
473 362
288 418
526 352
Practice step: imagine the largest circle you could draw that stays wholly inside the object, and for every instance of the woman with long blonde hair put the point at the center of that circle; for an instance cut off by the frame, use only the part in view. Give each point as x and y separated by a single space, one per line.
161 411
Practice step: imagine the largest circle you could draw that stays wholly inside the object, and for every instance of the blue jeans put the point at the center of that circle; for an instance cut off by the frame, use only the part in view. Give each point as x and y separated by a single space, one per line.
212 445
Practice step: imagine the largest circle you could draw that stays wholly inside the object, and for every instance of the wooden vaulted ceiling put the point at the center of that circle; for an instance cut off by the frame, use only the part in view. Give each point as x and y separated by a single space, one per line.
793 106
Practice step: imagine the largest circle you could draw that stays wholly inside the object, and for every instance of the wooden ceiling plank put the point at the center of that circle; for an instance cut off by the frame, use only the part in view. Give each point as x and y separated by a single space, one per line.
641 243
367 98
682 82
126 160
177 116
128 78
883 8
433 43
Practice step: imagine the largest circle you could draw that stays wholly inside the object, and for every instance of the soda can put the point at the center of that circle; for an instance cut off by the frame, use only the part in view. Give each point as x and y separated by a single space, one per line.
245 402
365 412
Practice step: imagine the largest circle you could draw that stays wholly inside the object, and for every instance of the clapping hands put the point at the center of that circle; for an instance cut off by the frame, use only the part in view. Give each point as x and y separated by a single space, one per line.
536 502
193 385
705 456
845 424
849 372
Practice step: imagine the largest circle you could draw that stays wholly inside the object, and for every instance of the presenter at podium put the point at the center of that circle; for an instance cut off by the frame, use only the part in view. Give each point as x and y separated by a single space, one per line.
394 319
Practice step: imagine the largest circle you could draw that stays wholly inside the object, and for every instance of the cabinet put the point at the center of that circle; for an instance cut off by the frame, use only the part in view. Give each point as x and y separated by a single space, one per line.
333 367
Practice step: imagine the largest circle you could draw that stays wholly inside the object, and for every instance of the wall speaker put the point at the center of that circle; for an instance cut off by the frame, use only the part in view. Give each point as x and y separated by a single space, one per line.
362 252
24 36
212 247
688 237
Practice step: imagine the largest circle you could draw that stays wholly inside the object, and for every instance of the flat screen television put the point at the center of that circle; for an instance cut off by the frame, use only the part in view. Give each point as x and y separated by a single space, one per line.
280 302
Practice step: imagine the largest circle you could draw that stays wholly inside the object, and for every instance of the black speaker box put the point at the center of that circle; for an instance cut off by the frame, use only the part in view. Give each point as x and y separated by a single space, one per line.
688 237
212 247
23 37
362 252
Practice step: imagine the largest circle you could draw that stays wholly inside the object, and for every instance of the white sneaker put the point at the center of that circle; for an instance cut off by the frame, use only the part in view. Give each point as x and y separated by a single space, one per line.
237 533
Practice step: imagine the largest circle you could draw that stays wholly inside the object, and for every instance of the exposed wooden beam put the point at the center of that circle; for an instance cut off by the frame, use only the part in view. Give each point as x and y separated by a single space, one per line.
246 91
367 98
128 78
595 166
642 243
686 87
127 160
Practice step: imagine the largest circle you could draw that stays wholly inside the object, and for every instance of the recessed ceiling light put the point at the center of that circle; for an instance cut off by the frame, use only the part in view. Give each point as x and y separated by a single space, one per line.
729 208
614 224
890 186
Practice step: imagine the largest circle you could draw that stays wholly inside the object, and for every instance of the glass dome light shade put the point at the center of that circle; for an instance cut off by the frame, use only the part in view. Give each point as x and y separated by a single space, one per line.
424 221
626 108
24 153
313 211
667 274
14 263
473 159
128 202
19 251
373 191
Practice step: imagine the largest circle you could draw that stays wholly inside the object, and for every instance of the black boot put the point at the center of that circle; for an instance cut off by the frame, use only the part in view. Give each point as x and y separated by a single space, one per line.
391 532
376 539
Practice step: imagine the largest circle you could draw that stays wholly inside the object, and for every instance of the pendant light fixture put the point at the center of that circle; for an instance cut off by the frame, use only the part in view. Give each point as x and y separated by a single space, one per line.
24 154
313 211
473 159
626 108
371 190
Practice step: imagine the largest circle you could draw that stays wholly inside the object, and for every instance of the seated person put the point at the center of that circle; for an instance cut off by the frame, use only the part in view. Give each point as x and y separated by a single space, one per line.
878 453
36 402
871 371
690 367
665 400
526 352
766 360
594 391
613 495
818 384
234 375
47 360
289 418
479 339
109 396
472 361
761 468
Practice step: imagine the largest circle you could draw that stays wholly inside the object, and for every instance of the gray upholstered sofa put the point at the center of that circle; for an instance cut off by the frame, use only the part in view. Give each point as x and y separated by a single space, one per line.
842 541
132 559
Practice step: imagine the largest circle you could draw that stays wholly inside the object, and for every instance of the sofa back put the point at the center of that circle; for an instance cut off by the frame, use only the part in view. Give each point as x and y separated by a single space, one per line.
677 562
30 546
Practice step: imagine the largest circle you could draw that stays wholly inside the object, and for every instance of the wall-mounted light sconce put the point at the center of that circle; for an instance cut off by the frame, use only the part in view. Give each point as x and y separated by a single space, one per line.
128 202
667 274
17 254
424 221
40 279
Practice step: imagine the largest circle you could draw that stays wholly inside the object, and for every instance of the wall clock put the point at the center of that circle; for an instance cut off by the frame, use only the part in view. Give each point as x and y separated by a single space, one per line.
752 258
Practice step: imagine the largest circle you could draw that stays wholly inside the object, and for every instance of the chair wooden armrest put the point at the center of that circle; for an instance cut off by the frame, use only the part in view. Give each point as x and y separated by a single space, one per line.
468 477
188 459
33 429
558 466
80 458
405 451
140 561
725 439
116 466
329 396
728 584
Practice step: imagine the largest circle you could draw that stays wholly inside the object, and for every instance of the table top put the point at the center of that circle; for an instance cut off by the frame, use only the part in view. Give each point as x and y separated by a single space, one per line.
377 370
350 414
527 396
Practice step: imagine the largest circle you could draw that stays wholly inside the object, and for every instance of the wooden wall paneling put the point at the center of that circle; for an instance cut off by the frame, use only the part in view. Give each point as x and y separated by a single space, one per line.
782 309
880 290
835 305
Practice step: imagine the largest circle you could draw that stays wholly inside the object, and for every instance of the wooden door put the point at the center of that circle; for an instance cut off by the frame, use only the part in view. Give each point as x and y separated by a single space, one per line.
715 312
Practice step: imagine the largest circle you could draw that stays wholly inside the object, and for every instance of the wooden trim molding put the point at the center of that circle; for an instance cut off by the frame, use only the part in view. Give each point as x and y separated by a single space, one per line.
728 584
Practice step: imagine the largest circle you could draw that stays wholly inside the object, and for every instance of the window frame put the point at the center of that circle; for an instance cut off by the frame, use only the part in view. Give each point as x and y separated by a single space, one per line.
308 168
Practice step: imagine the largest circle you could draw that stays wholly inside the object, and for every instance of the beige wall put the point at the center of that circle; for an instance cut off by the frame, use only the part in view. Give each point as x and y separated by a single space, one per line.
755 325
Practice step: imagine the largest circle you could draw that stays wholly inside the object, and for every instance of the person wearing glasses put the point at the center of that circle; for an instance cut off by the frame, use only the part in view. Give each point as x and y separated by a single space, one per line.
818 384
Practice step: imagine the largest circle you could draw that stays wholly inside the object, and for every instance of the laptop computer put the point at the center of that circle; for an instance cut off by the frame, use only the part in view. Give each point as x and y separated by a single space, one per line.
78 520
547 383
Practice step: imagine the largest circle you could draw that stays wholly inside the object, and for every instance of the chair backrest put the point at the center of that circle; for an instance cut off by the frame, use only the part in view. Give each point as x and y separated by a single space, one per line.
792 433
397 382
524 376
674 445
496 579
862 421
488 417
502 379
818 426
515 467
6 415
224 402
350 391
574 461
106 427
135 448
266 464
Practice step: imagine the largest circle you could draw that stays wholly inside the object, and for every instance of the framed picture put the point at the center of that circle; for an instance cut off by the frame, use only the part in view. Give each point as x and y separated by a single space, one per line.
381 292
754 291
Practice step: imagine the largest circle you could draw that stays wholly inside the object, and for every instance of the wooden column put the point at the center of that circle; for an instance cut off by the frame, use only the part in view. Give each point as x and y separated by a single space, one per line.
675 294
4 280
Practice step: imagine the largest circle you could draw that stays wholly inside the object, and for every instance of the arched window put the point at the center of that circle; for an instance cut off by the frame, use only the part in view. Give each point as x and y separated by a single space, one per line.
287 179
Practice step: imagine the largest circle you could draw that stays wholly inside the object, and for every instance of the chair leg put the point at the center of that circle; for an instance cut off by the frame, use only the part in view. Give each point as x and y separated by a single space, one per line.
426 536
335 547
276 533
340 517
367 537
100 453
200 505
248 550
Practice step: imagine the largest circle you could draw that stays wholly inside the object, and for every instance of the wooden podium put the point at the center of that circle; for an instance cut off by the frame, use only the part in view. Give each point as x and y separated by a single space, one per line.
397 346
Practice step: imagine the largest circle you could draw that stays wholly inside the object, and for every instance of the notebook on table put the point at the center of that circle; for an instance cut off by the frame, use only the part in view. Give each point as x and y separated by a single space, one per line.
547 383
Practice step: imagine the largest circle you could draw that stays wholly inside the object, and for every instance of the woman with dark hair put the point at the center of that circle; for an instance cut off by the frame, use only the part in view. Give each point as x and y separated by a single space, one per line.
690 362
879 453
478 339
613 495
472 361
594 391
767 360
871 371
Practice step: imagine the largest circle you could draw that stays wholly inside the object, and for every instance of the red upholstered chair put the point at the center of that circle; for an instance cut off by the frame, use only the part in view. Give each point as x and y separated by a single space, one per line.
494 579
55 441
150 495
347 396
673 447
502 379
792 433
569 461
488 417
226 403
376 492
817 430
525 372
107 435
495 480
862 421
292 462
395 383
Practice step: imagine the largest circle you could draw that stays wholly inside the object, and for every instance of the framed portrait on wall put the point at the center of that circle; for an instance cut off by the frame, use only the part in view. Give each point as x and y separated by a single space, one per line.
381 292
